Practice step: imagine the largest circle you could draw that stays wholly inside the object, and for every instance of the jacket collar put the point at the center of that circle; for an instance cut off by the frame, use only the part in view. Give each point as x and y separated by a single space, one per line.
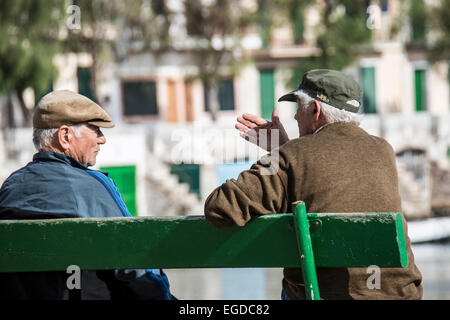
59 157
335 124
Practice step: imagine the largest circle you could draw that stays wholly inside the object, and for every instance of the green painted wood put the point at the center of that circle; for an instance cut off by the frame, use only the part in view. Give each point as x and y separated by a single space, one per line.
401 240
359 240
352 240
308 266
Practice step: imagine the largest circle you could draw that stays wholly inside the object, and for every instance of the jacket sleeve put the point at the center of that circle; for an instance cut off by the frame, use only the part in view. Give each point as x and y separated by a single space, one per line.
257 191
136 284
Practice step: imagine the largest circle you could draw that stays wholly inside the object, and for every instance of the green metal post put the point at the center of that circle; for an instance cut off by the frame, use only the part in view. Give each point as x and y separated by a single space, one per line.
301 226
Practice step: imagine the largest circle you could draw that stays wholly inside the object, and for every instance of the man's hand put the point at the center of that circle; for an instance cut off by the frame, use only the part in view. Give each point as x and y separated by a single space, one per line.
259 131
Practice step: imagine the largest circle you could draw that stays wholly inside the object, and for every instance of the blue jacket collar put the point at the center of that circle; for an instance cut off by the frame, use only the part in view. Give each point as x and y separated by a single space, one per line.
55 156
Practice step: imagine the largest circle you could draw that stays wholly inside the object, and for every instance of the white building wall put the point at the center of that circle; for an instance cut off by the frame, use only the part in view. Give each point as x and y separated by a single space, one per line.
389 79
286 110
67 68
247 91
407 88
439 94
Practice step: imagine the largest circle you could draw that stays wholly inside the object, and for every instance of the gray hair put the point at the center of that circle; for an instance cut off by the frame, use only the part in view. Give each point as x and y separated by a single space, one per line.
331 113
43 138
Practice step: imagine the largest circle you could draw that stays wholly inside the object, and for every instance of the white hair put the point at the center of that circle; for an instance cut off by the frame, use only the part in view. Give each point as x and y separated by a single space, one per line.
43 138
331 114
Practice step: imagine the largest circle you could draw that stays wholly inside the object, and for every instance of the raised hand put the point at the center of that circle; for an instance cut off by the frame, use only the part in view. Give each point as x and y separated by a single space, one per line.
260 131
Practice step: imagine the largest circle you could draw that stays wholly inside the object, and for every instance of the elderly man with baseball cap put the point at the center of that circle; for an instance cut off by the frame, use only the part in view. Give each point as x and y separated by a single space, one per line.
334 166
58 184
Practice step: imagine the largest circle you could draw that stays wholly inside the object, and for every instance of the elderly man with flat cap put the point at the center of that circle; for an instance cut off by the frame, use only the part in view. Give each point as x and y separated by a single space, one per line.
58 184
334 166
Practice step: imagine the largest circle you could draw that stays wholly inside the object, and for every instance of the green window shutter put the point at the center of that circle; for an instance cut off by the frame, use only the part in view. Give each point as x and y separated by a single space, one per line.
267 92
225 95
84 82
299 30
368 87
205 96
125 179
39 95
420 90
139 98
188 173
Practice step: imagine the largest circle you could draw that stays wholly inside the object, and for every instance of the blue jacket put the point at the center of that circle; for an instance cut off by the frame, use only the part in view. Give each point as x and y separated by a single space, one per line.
54 185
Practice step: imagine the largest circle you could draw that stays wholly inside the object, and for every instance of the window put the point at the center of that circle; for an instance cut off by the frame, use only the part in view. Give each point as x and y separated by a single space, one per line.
420 91
139 98
368 87
39 95
267 92
125 180
225 95
84 82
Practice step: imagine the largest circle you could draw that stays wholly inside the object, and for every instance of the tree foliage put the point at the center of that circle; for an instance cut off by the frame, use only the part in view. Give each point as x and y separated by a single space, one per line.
295 10
418 17
341 31
33 31
217 29
28 32
440 23
112 30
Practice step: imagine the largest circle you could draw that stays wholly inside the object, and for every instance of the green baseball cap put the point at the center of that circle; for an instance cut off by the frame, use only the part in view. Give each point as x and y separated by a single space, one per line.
330 86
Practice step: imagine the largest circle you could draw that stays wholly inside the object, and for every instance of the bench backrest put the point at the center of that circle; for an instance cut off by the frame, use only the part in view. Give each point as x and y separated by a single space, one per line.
338 240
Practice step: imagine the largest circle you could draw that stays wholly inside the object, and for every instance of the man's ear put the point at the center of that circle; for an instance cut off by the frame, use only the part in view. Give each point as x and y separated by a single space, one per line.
317 110
64 137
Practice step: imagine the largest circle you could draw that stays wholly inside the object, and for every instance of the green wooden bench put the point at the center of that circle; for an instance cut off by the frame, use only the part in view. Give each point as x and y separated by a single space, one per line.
277 240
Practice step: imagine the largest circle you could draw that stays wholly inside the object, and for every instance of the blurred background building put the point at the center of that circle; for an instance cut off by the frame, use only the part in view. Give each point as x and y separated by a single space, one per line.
175 74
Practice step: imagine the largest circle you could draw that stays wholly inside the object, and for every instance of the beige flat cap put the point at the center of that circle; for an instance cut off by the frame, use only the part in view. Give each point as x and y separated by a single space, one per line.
64 107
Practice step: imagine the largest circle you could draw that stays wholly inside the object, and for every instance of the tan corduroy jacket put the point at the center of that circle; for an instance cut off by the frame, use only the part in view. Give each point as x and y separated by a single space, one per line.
341 168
